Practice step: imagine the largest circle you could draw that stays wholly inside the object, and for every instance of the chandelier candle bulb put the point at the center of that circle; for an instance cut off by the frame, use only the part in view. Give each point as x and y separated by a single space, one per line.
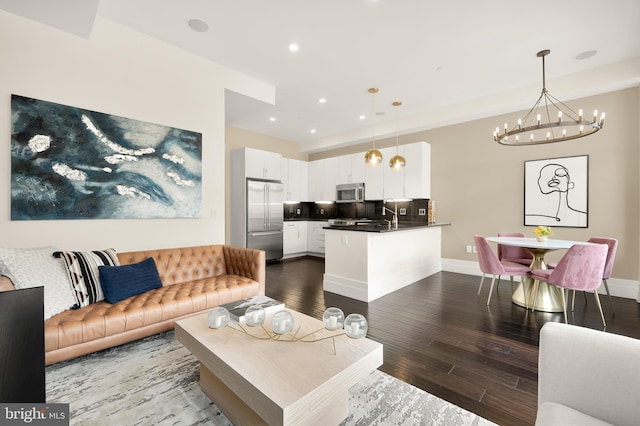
538 119
519 123
595 115
559 117
602 120
580 115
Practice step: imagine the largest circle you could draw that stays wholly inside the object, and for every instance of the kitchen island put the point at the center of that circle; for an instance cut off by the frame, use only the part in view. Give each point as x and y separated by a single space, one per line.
368 261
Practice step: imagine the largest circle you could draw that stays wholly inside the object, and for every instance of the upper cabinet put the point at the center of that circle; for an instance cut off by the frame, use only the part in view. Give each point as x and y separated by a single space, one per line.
394 182
417 172
350 168
295 177
373 181
262 164
323 179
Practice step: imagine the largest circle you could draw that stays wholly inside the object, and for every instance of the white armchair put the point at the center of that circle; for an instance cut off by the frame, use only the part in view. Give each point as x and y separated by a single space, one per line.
587 377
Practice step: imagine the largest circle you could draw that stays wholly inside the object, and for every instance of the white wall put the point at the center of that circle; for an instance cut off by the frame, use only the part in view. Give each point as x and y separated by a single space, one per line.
125 73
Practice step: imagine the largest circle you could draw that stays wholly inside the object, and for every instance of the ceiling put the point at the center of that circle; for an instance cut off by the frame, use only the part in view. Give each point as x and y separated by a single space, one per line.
447 61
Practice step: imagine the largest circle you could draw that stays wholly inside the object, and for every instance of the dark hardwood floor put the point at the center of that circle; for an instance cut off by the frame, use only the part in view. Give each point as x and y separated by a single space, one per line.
440 336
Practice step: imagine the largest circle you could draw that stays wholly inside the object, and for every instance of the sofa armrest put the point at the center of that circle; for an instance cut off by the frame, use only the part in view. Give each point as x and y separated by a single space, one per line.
6 284
246 262
591 371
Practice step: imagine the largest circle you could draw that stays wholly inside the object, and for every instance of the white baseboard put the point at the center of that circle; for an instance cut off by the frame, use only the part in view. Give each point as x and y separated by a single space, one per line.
618 287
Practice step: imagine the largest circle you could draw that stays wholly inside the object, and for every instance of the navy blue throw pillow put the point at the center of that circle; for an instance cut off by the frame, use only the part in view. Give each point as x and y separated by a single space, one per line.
121 282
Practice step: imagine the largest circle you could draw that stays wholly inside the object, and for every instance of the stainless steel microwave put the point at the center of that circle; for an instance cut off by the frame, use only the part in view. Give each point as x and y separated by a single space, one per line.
350 193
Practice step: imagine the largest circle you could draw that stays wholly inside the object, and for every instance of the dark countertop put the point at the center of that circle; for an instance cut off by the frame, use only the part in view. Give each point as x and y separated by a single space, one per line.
306 220
384 227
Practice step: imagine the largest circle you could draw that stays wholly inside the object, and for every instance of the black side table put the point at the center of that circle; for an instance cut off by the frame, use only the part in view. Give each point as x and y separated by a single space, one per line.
22 376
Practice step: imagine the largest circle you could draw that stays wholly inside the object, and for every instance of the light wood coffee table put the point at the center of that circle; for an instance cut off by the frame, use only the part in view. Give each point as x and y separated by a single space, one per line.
257 381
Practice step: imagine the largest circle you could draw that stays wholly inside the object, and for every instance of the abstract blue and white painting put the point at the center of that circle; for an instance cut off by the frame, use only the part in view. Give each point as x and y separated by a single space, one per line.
71 163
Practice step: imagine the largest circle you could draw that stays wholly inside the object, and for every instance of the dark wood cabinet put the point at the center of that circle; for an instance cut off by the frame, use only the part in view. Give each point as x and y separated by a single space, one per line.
22 346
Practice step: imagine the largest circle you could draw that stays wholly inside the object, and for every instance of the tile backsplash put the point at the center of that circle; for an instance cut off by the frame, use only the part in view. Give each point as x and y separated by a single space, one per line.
368 209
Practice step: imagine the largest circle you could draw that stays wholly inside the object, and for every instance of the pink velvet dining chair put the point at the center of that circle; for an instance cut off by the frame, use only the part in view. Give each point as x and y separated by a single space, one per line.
612 245
514 254
581 268
490 264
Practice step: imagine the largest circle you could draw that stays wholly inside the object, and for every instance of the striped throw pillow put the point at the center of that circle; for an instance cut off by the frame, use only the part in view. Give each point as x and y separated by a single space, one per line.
82 267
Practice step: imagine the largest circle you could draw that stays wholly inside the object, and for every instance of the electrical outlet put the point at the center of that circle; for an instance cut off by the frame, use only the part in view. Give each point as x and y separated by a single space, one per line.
403 212
469 249
474 249
321 211
297 211
422 212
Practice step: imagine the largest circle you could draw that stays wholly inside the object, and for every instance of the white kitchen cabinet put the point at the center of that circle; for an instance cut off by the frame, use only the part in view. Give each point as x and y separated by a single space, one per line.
373 182
323 179
316 237
417 174
393 180
294 238
262 164
295 178
350 168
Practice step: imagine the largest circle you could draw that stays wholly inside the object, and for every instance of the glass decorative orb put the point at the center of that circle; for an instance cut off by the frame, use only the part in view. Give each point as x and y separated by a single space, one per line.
282 322
254 316
218 317
397 162
333 318
373 158
356 326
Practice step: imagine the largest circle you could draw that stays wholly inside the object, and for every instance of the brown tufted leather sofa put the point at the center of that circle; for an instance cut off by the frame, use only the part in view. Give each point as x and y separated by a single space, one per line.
194 279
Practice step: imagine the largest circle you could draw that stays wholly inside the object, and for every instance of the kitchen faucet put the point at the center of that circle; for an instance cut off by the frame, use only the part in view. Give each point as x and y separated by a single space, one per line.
394 221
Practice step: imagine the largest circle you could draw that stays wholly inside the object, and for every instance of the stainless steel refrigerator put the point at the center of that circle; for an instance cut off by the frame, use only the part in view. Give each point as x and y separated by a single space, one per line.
264 217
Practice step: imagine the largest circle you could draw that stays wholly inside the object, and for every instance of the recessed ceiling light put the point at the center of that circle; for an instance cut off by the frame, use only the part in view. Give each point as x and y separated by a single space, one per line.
586 55
293 47
322 100
312 131
362 117
381 113
272 119
198 25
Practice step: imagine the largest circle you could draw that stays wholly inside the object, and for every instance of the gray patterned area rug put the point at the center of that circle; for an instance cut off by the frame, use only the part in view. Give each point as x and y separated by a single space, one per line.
154 381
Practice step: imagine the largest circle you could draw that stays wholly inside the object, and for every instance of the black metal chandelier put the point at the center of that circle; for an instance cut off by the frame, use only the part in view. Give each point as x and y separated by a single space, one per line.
548 121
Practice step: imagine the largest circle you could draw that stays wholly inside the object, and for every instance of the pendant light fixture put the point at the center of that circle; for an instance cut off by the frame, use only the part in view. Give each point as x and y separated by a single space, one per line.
373 157
397 162
548 121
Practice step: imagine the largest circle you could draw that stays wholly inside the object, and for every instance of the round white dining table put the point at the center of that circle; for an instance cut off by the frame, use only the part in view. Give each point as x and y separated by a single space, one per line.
549 298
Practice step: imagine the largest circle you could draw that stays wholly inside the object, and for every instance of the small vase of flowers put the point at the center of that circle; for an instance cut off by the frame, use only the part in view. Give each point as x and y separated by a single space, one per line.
543 232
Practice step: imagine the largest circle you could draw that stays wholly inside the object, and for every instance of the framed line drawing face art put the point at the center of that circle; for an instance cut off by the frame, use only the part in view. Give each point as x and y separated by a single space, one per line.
556 192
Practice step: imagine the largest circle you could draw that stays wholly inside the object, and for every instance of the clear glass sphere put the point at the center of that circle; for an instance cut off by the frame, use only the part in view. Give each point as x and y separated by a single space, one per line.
254 316
333 318
282 322
218 317
356 326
